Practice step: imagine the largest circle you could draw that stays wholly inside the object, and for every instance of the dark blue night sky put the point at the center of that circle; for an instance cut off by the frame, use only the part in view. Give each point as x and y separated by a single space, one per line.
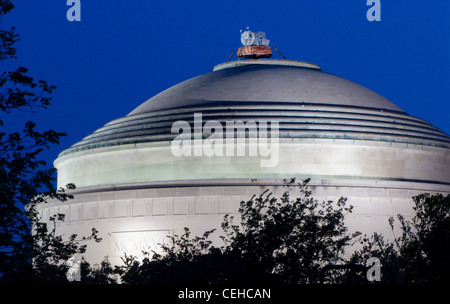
124 52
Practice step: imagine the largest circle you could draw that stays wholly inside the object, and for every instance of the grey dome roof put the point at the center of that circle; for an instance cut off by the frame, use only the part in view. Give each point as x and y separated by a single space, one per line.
261 84
307 102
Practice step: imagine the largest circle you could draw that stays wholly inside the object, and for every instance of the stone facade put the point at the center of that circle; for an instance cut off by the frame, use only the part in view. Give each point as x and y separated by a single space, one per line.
349 140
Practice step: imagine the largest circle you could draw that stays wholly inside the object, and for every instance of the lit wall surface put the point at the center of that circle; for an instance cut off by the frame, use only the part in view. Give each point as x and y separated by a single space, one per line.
351 141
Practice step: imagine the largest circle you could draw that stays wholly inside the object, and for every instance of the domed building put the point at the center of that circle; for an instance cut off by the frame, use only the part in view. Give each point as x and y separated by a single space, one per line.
349 140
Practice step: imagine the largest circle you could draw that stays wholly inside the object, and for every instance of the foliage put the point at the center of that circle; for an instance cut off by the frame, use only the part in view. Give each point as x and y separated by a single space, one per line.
102 273
278 240
7 37
50 253
290 239
420 253
185 260
25 181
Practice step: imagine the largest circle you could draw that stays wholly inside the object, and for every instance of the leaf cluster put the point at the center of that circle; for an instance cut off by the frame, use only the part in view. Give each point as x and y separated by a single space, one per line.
419 255
25 181
277 240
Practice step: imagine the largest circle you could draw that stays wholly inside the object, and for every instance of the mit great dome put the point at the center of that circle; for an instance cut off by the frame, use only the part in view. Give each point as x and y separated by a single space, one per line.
348 139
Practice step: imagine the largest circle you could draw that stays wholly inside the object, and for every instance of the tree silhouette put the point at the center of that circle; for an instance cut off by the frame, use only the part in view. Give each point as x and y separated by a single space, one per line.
277 240
25 181
420 253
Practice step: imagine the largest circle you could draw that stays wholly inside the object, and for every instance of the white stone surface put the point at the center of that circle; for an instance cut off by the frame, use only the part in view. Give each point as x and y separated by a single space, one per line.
136 217
316 159
351 141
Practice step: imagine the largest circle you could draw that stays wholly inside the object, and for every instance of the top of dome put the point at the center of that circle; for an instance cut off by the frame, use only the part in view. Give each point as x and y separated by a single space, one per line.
307 103
265 81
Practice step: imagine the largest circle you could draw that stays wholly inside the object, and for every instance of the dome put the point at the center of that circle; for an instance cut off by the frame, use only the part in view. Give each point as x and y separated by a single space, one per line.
307 102
269 82
347 139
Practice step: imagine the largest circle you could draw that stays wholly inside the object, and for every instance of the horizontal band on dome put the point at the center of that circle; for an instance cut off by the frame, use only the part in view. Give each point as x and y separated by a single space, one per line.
336 181
351 135
309 121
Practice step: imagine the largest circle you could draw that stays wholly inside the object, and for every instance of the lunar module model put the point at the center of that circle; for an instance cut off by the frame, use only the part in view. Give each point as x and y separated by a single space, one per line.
255 46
